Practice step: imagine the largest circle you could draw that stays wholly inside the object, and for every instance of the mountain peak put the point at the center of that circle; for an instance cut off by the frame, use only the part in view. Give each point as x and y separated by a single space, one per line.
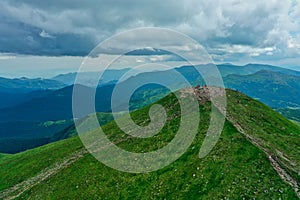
257 145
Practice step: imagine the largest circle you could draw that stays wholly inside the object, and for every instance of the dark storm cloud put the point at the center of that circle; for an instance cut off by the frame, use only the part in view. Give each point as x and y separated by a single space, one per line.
20 38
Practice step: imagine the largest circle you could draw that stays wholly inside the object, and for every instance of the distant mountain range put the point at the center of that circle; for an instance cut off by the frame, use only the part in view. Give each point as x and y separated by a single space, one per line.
275 89
25 104
9 99
19 90
109 76
43 99
22 85
227 69
57 105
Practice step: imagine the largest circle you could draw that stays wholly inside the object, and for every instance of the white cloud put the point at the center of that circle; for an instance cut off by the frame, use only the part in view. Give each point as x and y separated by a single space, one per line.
4 56
158 58
238 27
246 49
293 44
44 34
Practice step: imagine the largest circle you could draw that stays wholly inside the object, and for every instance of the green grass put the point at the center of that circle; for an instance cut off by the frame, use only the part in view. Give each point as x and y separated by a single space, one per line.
16 168
296 122
274 131
234 169
51 123
2 155
292 114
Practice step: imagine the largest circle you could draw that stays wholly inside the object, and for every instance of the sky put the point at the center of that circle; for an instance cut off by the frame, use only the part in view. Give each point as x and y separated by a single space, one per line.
45 38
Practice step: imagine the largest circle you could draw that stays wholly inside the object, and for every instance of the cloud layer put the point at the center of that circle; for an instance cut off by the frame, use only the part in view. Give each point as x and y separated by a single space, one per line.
230 29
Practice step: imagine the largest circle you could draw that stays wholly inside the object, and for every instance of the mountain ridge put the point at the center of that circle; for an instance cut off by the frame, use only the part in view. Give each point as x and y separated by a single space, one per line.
272 88
247 171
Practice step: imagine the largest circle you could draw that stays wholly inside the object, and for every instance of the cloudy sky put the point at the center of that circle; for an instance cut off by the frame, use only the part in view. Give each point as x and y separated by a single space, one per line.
43 38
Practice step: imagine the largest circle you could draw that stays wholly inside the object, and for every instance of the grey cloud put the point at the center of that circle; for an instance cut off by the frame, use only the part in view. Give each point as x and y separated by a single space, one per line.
19 38
76 26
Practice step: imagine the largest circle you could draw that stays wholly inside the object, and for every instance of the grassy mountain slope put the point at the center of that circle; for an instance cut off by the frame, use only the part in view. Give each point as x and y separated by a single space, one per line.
293 114
56 106
17 136
268 130
3 155
37 134
274 89
27 85
236 167
28 129
227 69
10 99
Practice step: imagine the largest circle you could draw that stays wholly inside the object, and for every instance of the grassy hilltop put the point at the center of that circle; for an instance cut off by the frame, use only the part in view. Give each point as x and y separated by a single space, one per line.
257 156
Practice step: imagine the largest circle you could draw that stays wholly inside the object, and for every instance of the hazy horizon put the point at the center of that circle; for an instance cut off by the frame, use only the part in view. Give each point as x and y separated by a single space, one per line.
49 67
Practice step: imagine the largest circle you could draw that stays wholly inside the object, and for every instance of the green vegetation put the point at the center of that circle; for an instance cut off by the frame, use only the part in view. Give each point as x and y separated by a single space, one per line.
17 136
234 169
277 90
296 122
14 145
29 120
51 123
272 131
42 133
293 114
2 155
103 118
19 167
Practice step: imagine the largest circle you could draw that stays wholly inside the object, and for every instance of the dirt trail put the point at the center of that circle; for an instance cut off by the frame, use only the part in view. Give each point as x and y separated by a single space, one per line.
20 188
273 159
